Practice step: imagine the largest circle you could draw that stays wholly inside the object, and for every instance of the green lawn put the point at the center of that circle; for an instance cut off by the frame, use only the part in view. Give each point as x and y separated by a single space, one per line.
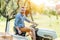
43 20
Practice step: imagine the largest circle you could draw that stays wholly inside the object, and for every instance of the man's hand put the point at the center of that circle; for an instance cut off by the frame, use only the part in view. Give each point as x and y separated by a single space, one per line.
19 32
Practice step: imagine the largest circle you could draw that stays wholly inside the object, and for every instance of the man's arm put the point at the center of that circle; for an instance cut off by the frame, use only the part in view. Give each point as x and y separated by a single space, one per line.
16 20
16 24
29 21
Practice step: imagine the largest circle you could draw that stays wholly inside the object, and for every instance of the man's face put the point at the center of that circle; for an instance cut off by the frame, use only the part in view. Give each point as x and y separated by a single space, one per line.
22 10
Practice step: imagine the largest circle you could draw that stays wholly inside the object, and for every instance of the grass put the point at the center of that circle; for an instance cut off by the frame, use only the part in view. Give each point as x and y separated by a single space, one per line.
43 20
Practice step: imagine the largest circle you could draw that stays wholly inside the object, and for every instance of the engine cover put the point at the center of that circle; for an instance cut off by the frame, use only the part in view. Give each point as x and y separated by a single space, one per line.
43 32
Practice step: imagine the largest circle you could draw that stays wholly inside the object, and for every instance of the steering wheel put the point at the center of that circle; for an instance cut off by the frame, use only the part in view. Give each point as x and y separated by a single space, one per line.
34 25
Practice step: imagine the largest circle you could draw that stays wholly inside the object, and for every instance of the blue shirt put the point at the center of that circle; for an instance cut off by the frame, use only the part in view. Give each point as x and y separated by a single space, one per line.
19 20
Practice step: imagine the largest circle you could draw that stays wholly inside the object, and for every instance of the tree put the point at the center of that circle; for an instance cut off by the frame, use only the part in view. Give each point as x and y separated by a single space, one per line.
9 9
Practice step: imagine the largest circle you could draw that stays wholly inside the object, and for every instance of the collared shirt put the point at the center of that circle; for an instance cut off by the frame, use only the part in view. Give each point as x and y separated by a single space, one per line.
19 20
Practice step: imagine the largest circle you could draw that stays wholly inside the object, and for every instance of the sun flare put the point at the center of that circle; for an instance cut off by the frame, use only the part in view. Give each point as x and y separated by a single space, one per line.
48 3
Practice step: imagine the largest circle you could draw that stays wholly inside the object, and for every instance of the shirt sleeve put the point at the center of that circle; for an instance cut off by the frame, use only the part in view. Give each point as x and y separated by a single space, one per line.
16 20
26 19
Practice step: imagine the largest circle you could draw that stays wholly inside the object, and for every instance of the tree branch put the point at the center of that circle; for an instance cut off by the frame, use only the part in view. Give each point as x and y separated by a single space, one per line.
3 13
15 11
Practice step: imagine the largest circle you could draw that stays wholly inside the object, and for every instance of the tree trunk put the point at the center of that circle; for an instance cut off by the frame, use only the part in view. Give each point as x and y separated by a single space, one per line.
7 25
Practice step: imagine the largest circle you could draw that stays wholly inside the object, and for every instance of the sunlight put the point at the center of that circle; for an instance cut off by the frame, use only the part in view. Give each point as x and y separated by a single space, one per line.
37 2
47 3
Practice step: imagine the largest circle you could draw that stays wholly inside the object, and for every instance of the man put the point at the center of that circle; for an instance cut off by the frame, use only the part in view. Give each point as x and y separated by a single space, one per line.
20 26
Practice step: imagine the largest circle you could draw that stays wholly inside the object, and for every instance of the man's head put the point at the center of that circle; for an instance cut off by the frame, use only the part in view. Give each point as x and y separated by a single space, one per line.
22 10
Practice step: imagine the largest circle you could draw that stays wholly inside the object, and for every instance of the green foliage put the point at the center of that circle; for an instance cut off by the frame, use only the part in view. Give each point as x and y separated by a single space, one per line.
49 12
45 12
2 18
52 12
2 4
9 8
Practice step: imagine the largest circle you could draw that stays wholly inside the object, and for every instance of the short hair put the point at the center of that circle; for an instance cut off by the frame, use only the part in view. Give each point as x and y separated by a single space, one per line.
23 8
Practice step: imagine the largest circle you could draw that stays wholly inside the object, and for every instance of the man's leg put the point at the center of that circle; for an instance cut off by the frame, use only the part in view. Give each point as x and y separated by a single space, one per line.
33 34
26 29
16 31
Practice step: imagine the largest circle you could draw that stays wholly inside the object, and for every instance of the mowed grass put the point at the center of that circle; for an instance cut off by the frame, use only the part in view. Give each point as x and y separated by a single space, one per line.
43 20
